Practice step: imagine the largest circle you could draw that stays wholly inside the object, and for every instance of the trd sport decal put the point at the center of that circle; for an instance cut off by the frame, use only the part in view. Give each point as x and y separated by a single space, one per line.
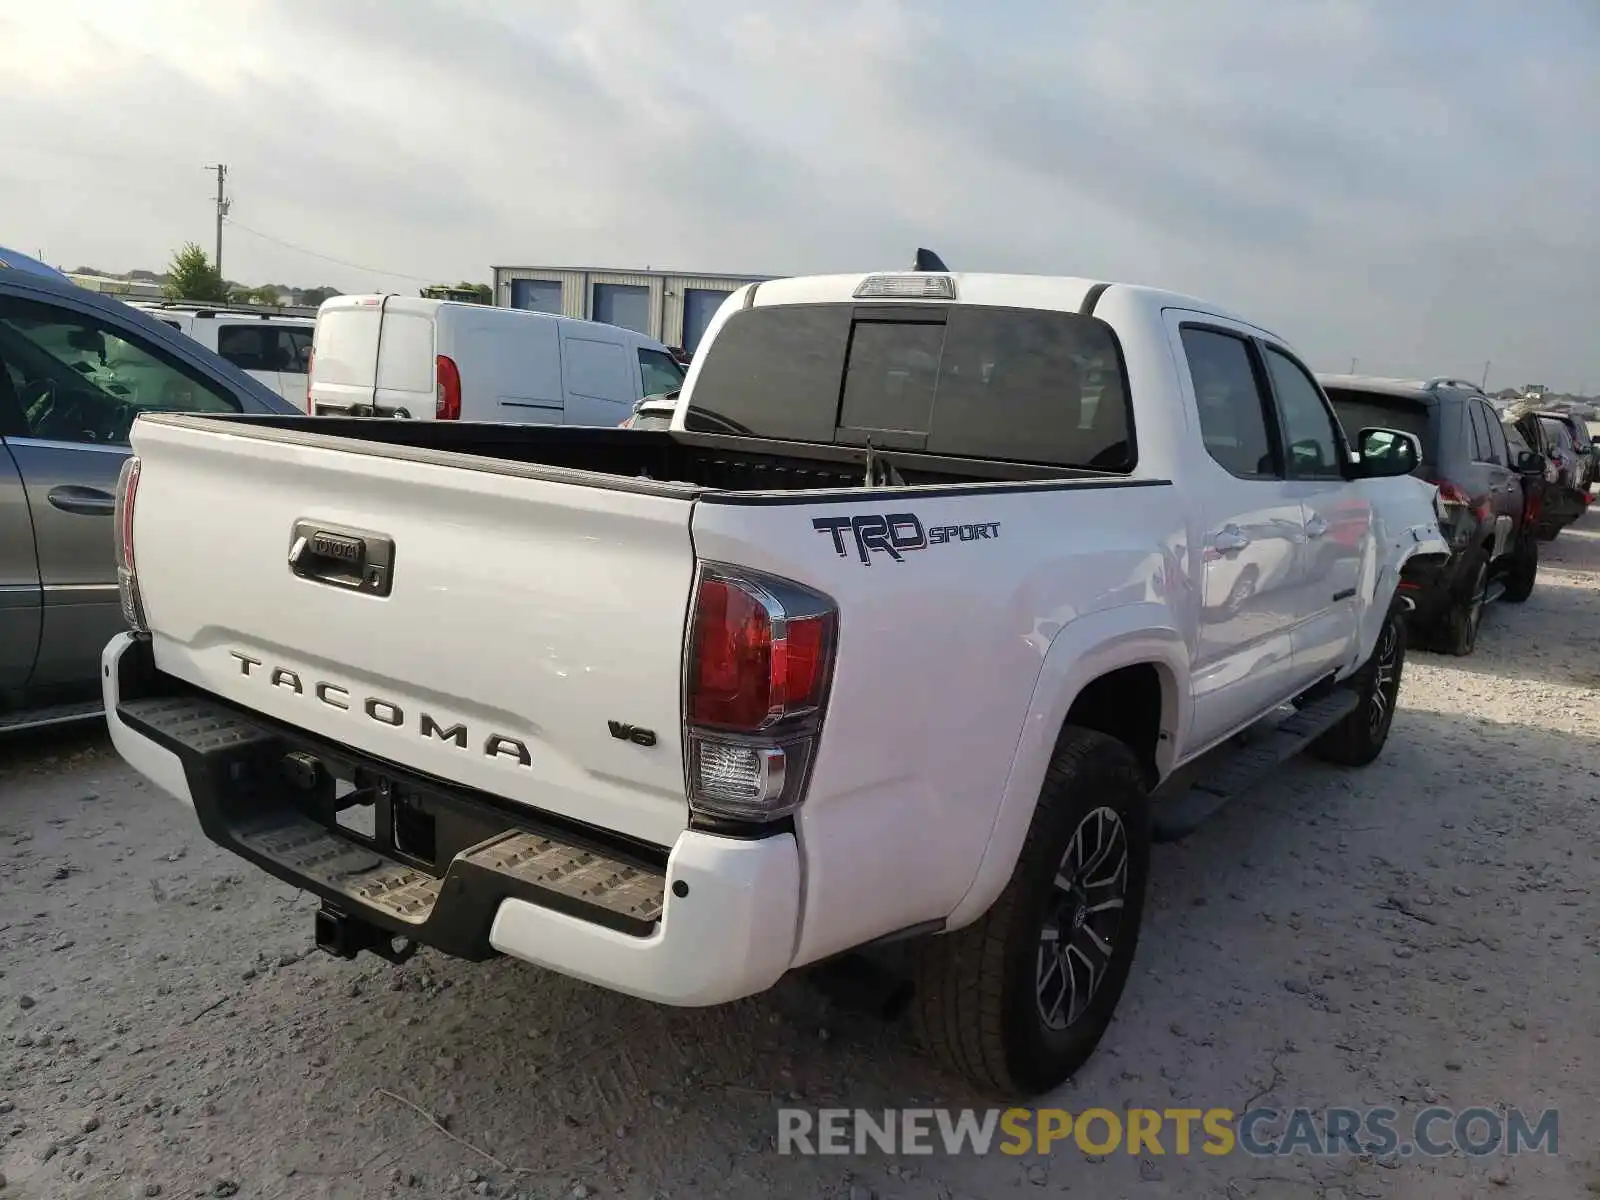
896 534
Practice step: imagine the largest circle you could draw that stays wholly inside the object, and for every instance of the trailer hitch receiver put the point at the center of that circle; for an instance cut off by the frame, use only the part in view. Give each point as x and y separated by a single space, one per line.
345 936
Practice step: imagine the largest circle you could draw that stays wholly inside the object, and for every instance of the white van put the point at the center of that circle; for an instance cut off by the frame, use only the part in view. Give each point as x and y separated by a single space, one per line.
273 348
404 356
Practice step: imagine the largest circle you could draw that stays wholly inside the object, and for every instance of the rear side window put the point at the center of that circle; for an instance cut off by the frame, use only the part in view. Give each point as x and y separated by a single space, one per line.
247 347
1233 418
1374 410
968 381
259 346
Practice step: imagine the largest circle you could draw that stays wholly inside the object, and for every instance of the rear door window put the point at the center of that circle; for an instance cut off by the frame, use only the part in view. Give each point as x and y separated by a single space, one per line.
1481 451
1497 436
968 381
1231 403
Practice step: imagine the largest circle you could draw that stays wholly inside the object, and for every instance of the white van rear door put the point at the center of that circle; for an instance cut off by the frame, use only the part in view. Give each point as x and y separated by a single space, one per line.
344 355
406 385
374 354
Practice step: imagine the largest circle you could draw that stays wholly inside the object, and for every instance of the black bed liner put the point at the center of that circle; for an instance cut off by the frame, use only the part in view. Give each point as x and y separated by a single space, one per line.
716 468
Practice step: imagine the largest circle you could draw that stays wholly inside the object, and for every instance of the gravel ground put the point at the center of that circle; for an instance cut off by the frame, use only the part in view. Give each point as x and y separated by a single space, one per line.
1417 932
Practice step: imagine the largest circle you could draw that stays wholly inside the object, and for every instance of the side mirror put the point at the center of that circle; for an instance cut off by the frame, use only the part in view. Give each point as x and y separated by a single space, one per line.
1530 462
1383 453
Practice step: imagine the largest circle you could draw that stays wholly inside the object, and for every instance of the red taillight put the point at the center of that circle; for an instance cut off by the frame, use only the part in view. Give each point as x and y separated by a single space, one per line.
744 677
760 654
1452 493
127 574
447 391
127 494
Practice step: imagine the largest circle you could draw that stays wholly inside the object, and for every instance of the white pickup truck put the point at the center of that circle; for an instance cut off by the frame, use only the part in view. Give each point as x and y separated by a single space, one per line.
894 633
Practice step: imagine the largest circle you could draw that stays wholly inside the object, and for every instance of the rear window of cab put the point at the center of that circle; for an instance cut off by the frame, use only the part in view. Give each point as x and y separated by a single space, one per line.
972 381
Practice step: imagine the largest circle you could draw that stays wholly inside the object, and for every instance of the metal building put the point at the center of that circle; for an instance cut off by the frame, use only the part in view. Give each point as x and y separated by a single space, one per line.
673 307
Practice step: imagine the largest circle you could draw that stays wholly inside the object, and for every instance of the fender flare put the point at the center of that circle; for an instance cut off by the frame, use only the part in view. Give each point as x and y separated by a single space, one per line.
1080 652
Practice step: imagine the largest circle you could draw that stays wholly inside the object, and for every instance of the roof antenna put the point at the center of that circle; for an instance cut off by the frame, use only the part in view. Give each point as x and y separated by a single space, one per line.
927 260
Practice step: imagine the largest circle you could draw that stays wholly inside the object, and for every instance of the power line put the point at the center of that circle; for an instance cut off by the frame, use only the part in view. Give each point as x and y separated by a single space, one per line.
267 237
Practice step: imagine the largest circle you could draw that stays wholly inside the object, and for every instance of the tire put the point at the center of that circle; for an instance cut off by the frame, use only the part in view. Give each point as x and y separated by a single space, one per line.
992 1002
1457 631
1360 737
1524 570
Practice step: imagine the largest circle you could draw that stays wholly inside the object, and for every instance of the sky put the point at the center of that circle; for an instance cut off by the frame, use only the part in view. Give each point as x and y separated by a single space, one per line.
1412 184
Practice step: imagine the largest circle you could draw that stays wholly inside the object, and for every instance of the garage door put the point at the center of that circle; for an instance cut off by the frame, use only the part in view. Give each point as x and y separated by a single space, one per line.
538 295
699 306
624 304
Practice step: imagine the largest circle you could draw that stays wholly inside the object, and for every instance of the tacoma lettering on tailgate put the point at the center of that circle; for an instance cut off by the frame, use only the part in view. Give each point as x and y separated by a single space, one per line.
897 534
384 712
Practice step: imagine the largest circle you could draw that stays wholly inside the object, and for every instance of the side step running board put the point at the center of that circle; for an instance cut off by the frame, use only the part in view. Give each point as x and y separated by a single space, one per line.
1239 770
49 718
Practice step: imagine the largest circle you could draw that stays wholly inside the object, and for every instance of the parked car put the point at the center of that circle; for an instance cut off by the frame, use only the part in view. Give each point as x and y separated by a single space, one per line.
272 348
1551 504
1564 454
653 412
1494 553
677 713
406 356
1575 444
76 368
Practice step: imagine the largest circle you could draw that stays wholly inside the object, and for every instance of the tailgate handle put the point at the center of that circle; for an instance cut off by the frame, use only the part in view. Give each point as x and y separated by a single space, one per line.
354 559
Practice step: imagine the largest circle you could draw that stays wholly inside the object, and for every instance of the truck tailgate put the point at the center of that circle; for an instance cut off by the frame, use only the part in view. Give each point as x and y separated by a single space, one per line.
529 629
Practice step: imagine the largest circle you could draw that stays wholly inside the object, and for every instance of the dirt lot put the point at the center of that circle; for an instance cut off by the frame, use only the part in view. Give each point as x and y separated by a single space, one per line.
1420 932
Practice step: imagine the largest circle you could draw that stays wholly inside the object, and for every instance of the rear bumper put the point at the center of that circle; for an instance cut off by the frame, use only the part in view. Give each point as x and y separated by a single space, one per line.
715 920
1427 583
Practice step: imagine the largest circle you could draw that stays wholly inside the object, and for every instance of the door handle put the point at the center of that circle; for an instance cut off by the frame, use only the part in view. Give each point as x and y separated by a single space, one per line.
83 501
1230 539
1316 526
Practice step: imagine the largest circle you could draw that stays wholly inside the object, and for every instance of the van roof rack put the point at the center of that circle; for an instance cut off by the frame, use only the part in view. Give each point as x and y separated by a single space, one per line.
201 308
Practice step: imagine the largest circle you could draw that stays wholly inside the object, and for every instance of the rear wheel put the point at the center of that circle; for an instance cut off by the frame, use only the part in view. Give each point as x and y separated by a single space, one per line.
1458 625
1360 737
1017 1001
1524 569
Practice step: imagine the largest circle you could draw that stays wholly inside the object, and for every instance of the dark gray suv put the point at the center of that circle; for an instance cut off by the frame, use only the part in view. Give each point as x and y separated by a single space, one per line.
1494 554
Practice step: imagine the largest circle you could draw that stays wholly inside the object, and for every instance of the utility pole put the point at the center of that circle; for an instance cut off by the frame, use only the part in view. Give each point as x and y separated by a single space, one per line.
1352 366
1484 382
222 208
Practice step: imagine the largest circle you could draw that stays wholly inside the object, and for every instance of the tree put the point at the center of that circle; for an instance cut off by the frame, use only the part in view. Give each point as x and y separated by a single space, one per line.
192 277
313 297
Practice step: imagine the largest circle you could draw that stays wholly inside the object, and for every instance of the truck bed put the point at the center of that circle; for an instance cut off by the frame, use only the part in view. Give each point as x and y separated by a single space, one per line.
658 462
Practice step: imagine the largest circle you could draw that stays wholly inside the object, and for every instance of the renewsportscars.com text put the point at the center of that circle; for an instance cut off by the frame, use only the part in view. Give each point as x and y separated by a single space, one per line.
1259 1132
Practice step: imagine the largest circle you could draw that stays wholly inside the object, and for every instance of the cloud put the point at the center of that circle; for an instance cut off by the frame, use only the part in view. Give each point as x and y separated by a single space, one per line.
1410 184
